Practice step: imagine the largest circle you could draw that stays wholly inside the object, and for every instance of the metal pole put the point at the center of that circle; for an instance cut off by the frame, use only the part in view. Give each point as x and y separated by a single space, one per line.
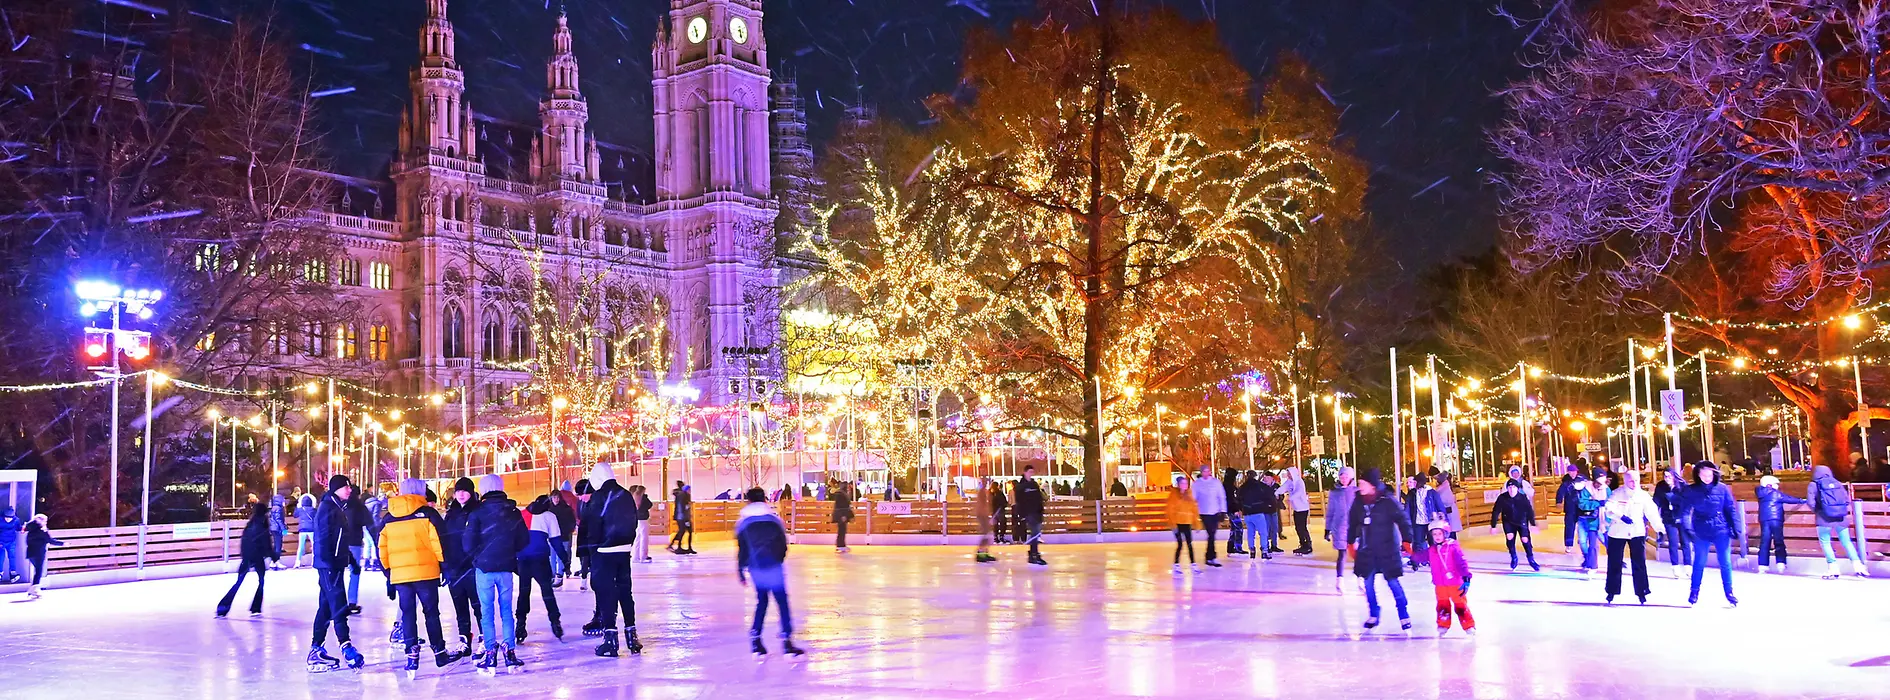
275 450
1298 453
117 378
1673 376
1634 412
308 485
1522 420
1863 409
210 494
144 502
1417 446
1706 412
1397 440
1430 368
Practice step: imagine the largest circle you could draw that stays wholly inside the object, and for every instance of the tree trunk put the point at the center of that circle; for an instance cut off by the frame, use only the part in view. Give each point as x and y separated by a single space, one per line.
1096 301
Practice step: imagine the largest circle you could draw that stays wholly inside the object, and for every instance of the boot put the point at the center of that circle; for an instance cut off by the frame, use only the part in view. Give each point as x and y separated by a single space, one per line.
609 647
413 661
443 658
787 645
512 664
395 638
1859 570
557 630
594 628
1831 571
488 662
32 591
630 640
354 657
755 646
319 660
518 629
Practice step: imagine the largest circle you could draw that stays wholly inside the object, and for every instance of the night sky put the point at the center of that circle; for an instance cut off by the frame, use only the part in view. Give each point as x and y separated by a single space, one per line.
1415 78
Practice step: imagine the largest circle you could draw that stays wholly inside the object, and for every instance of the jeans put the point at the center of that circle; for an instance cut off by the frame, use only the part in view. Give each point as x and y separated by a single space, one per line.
1772 542
1637 553
39 571
1211 522
1299 530
1338 543
530 570
1274 535
610 578
1258 532
1236 527
427 595
495 597
1397 594
1568 527
1700 547
463 589
331 608
304 541
275 543
354 576
771 582
1589 530
11 562
1824 541
1184 536
243 569
560 556
1680 545
1511 535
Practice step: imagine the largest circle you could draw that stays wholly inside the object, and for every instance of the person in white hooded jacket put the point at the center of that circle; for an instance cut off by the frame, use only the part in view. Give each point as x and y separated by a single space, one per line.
1293 491
1627 517
1210 498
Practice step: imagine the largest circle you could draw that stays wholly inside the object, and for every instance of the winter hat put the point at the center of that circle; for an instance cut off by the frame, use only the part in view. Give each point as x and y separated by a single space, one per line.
756 495
1372 475
337 481
1768 480
1440 525
40 518
1346 473
1419 480
490 483
412 487
602 473
465 484
583 487
432 497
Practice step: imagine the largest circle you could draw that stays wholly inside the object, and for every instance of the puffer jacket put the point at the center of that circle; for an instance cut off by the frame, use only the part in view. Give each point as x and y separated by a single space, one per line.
1629 513
611 519
495 534
1179 509
454 563
760 539
1772 504
1513 512
1293 491
1339 512
331 523
410 541
1821 481
1380 531
1708 509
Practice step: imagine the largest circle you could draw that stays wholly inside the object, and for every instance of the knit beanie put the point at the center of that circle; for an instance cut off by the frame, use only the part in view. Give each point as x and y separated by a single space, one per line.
412 487
490 483
465 484
337 481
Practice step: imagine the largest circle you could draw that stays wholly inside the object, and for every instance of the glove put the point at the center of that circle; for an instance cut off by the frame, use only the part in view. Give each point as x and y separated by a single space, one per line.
739 576
1407 549
1351 550
1465 589
1328 535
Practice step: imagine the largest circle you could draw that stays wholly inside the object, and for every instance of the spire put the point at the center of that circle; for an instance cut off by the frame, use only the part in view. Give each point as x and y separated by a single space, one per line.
561 72
436 38
564 118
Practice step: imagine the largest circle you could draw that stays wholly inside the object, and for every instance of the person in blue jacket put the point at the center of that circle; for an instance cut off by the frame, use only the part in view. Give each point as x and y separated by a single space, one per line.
1708 509
1772 504
12 560
1667 500
760 549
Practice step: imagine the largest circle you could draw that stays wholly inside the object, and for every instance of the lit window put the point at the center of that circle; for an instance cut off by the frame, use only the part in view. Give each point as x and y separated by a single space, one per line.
317 336
350 271
315 271
345 342
380 275
377 341
208 342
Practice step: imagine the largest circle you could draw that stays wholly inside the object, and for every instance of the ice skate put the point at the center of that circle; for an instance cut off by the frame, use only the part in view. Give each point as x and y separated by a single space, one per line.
413 662
444 658
787 646
1469 631
1858 569
1731 602
395 638
1177 569
609 647
1404 623
1778 568
1214 563
594 628
557 630
33 592
757 648
319 661
1533 566
630 640
1338 583
1195 567
1371 622
519 631
355 659
1831 572
1441 631
488 663
512 664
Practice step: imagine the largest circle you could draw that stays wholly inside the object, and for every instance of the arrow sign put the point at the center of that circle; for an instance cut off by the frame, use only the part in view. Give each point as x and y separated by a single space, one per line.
1673 406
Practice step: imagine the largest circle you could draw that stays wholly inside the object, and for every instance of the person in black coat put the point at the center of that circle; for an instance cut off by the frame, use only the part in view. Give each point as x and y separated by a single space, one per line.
1516 515
1260 502
258 548
1237 530
38 537
493 537
354 538
332 560
567 523
1029 503
456 568
610 519
842 497
999 505
684 517
1378 537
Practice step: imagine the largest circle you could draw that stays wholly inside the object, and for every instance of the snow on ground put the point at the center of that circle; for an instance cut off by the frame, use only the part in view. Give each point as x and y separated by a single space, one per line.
1103 620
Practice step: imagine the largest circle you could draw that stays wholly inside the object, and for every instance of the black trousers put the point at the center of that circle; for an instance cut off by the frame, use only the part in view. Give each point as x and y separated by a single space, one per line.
332 608
775 588
1299 529
1033 529
463 588
1211 523
1637 552
683 527
1511 535
223 606
610 576
997 524
840 534
39 572
536 570
1184 537
424 595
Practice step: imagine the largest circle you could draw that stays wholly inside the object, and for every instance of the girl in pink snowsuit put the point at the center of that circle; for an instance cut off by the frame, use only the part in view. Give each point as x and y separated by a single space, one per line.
1451 575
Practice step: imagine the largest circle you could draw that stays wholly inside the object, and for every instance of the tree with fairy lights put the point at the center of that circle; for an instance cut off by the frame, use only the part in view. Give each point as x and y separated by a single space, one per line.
1721 159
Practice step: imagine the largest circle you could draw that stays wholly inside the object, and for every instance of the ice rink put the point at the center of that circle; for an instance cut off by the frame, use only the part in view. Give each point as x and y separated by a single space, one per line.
1103 620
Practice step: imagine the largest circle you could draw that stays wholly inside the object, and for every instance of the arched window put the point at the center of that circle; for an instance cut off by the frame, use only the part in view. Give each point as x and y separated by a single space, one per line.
492 341
453 332
521 341
345 341
378 341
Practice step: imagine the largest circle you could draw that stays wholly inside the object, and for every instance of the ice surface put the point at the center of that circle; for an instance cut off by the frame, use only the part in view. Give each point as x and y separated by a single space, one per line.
1103 620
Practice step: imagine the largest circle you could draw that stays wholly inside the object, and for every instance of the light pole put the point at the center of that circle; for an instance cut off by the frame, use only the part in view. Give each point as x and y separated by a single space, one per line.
558 403
1852 323
108 297
210 493
151 379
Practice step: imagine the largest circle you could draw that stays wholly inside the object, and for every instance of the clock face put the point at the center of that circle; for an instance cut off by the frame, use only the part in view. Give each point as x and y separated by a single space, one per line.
738 30
698 30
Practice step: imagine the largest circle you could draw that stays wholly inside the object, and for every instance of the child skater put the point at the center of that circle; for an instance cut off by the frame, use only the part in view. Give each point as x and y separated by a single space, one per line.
1451 575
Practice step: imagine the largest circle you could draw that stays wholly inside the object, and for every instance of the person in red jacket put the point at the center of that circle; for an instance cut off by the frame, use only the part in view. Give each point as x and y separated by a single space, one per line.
1450 574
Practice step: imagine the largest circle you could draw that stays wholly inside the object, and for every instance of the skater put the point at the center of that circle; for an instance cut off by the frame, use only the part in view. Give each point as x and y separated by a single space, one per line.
1627 517
1415 491
1117 489
411 554
1029 500
1831 509
304 520
1182 516
1772 504
1441 505
354 538
1590 494
1528 489
493 537
684 518
1000 507
611 518
332 560
560 509
1293 494
1711 514
1211 499
1236 516
1667 499
277 526
256 553
39 536
760 548
1450 576
376 505
12 564
1261 505
1339 520
1565 497
640 552
456 565
1517 516
982 509
842 495
1379 537
535 566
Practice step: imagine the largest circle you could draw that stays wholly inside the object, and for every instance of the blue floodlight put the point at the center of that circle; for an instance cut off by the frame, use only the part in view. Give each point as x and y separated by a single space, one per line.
94 290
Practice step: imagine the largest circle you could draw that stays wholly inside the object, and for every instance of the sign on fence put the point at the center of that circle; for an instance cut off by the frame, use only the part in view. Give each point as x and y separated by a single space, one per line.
1673 406
1317 445
1590 447
189 530
893 507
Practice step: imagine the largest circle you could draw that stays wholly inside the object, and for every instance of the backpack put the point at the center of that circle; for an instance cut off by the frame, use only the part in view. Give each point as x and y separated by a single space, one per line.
1834 502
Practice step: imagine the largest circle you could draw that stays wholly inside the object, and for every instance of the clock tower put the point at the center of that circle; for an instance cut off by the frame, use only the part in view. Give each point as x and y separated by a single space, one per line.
714 205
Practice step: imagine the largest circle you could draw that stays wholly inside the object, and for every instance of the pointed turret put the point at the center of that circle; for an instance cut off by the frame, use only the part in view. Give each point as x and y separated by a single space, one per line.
560 150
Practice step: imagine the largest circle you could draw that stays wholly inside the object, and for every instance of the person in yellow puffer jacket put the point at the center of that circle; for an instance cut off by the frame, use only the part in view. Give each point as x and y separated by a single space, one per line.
411 554
1183 515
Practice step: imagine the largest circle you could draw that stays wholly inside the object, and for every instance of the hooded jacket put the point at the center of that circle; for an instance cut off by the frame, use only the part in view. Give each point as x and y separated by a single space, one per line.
1029 495
1823 482
760 538
1339 511
1708 509
455 563
333 520
1293 491
1772 502
276 514
609 521
1209 496
1179 509
1258 497
540 527
494 534
1630 513
410 541
10 526
38 537
1380 531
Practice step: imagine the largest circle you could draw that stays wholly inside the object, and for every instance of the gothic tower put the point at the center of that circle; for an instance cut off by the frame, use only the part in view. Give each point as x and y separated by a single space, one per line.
714 190
566 149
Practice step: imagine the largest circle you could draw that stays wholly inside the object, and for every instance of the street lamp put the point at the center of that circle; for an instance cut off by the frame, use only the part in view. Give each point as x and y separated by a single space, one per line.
101 297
